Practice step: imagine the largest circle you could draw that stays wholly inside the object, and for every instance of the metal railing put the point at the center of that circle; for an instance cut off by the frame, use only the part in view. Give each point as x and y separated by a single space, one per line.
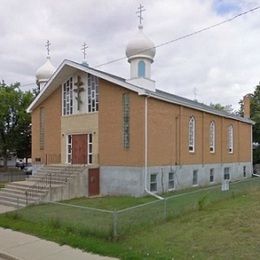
43 186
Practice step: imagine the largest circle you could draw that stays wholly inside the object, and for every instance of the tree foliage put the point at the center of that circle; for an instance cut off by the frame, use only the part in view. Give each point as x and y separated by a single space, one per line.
255 116
228 108
15 122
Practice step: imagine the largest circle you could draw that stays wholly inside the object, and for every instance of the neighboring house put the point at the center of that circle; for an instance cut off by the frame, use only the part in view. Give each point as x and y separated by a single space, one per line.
137 137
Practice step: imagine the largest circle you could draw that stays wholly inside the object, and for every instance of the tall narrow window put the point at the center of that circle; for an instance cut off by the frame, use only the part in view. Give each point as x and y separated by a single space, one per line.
141 69
68 97
212 136
230 139
42 130
192 134
90 148
69 148
93 93
126 120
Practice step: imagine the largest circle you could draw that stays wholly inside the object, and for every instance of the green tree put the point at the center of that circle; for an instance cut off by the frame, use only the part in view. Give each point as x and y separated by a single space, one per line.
15 122
255 116
228 108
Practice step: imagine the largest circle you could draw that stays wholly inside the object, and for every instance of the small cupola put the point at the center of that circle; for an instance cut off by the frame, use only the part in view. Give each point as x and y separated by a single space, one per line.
46 70
140 52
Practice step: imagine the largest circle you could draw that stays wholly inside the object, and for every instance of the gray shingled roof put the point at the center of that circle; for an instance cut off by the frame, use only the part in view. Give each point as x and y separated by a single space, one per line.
181 100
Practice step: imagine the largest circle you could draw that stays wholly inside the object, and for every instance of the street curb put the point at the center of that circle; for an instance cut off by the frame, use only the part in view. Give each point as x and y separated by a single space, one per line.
7 256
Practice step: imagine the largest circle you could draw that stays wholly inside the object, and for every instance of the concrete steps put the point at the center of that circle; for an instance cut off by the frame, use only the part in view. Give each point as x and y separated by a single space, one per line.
36 188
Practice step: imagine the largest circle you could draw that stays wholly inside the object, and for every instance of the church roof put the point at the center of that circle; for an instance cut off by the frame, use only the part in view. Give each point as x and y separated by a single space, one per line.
68 67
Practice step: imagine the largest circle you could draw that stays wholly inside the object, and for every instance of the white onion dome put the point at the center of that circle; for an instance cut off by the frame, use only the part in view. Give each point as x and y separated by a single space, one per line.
140 46
45 71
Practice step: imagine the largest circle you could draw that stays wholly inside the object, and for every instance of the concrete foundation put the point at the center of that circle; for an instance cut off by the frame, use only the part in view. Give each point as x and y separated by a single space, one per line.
118 180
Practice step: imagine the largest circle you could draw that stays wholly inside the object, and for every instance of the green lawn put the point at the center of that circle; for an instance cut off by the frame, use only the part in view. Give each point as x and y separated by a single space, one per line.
211 225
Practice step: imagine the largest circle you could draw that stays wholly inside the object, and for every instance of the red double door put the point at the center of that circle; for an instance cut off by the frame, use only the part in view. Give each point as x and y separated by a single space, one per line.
80 156
80 149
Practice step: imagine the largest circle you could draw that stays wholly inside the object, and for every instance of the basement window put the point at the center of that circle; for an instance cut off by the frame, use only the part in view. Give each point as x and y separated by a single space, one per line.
244 171
211 175
195 178
153 182
171 181
226 173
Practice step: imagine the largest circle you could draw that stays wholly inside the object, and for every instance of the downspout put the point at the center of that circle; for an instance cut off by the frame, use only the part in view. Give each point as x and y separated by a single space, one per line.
146 152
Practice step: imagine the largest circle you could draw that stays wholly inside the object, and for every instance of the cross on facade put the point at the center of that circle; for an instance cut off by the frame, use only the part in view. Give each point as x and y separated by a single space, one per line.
48 47
84 48
78 90
139 12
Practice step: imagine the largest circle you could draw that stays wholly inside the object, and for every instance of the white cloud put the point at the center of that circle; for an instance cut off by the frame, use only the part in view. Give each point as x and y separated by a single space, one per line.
223 64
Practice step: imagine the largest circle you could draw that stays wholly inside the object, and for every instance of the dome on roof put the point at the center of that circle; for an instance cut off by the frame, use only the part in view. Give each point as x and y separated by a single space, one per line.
45 71
140 46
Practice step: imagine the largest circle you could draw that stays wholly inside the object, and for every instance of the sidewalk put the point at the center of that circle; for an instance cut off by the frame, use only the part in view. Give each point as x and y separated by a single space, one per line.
16 245
19 246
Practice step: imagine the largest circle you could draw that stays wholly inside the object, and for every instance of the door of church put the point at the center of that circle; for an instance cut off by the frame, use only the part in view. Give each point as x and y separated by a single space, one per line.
79 149
93 182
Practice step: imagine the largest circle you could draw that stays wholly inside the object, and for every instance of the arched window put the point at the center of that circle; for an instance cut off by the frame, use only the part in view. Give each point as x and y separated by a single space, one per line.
212 136
230 139
141 69
192 134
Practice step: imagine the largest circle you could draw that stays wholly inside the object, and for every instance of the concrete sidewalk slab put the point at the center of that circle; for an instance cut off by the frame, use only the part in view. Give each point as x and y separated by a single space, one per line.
26 247
4 209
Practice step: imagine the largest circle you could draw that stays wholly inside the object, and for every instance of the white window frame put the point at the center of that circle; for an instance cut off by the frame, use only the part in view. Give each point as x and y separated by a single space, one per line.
195 173
212 137
171 182
211 175
230 139
90 148
192 132
227 173
69 149
67 97
92 93
153 182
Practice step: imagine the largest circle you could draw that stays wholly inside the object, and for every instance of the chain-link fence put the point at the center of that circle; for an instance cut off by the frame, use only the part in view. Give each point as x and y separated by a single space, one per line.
108 223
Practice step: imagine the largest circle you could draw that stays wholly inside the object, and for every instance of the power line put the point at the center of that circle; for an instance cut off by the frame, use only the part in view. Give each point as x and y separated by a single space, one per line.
186 35
176 39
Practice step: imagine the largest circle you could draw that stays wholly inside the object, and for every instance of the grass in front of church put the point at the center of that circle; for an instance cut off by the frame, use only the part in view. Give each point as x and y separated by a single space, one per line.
226 229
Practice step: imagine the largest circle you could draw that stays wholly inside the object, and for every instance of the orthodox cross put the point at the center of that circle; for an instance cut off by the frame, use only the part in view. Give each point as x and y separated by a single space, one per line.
48 47
139 12
78 84
84 48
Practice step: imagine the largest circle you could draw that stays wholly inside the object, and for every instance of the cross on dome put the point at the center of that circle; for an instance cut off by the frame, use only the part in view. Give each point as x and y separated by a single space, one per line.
140 12
48 44
84 48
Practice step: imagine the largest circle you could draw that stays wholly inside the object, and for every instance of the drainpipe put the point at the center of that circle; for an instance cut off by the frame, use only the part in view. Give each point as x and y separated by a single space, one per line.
146 153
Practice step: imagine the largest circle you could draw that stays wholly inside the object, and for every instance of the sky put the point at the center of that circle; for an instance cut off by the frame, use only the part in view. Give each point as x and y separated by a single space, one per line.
220 65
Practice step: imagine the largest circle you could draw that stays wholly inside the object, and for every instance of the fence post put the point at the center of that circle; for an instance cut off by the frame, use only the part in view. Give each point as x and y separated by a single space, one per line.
165 209
50 187
26 197
115 224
